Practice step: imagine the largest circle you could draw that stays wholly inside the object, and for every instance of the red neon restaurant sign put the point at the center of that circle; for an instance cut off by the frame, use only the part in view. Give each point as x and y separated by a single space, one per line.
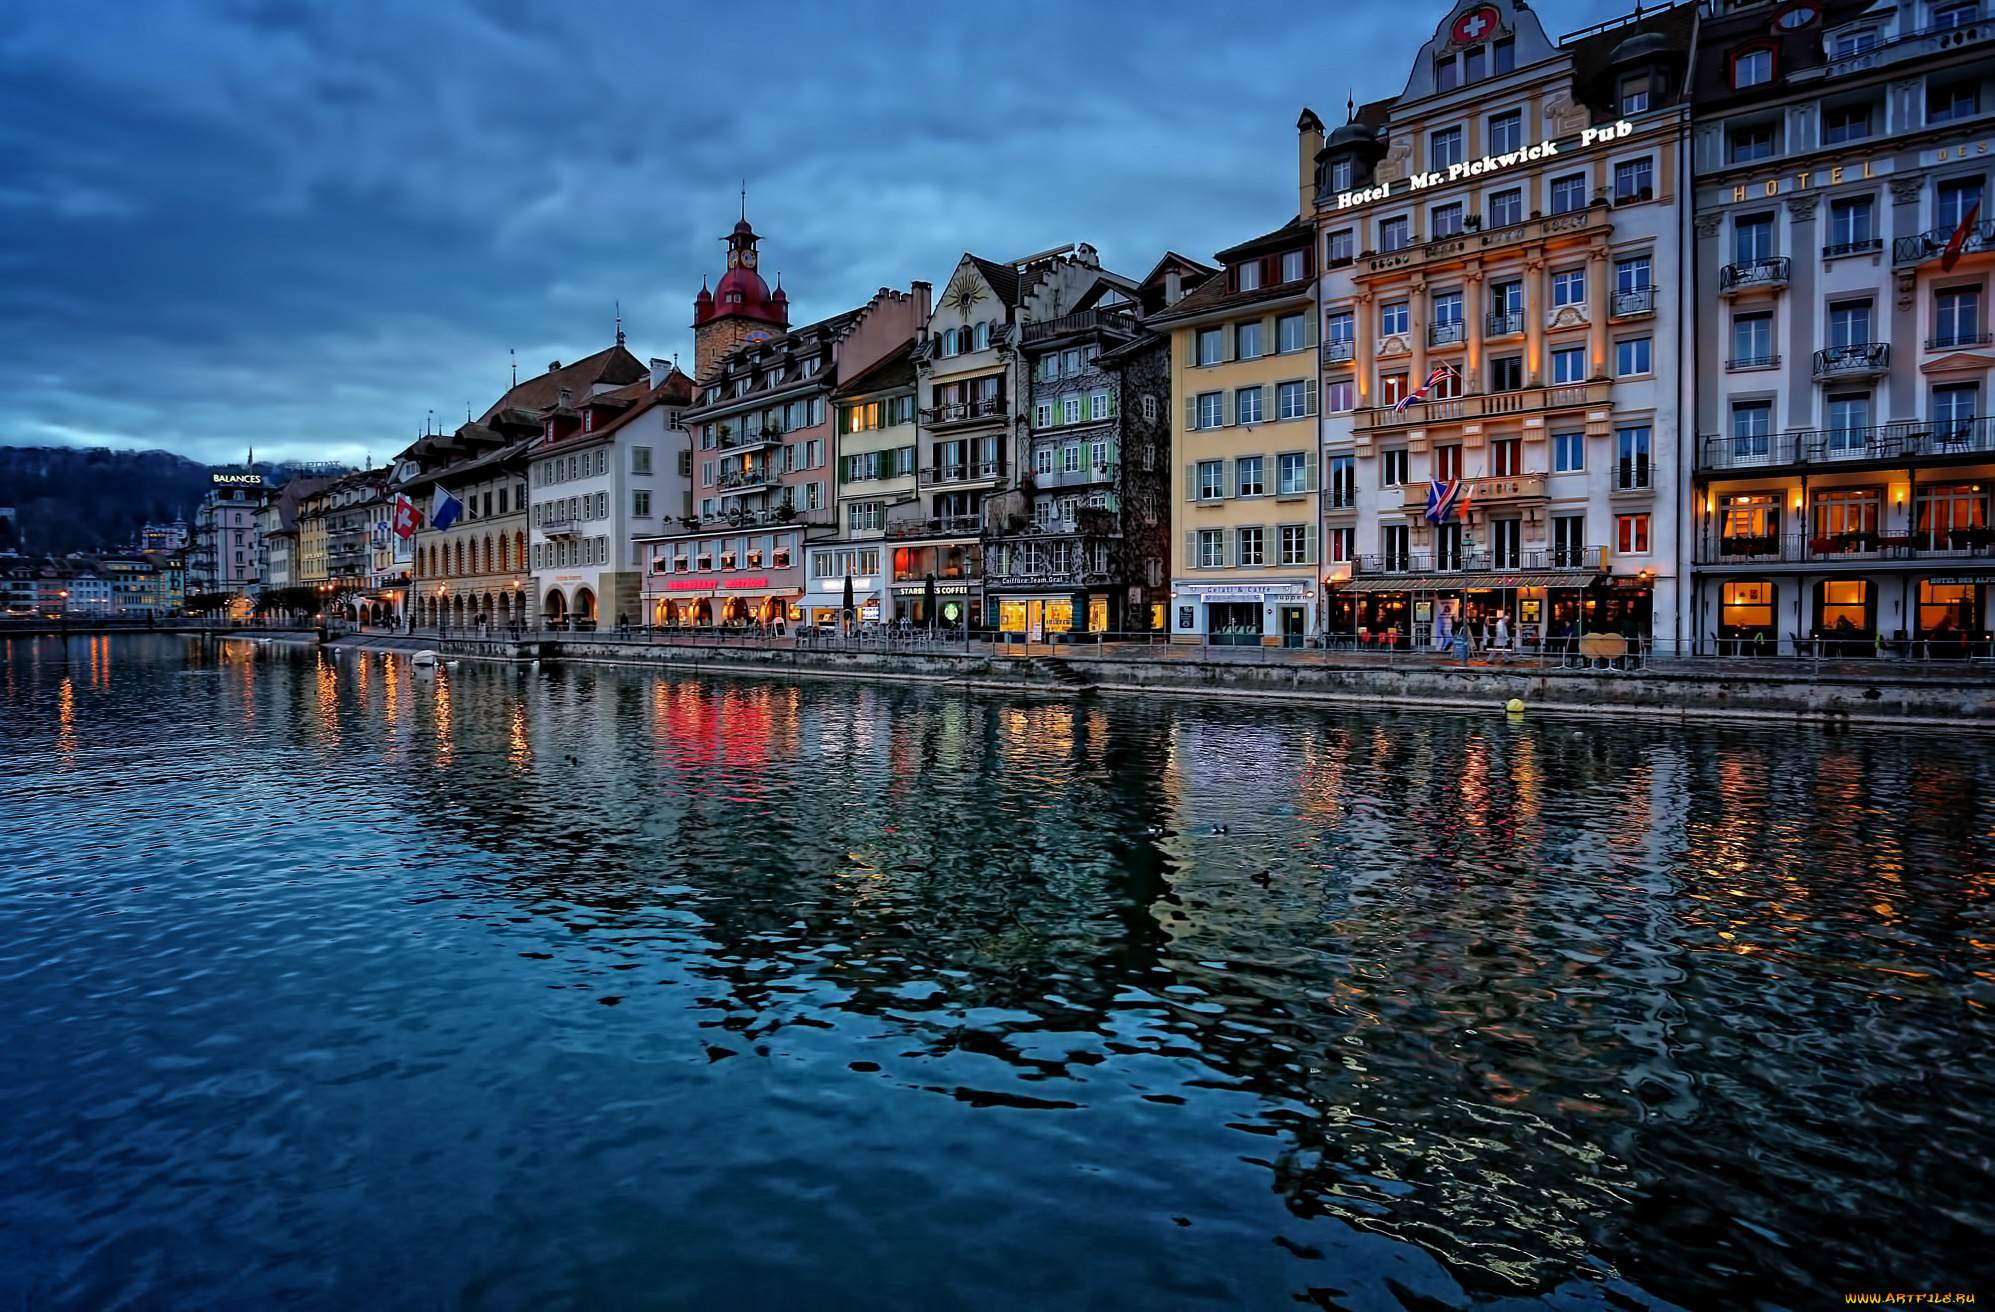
708 585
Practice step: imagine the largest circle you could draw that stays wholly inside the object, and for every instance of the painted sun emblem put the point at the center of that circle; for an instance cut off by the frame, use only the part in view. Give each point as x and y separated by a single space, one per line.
963 293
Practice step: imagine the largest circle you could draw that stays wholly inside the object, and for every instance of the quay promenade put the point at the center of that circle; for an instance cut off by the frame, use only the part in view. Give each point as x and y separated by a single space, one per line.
1817 689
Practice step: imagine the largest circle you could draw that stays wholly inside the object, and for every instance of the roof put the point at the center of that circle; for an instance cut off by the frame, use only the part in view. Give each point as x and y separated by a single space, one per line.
806 339
641 398
615 366
1212 295
1002 278
1294 232
896 369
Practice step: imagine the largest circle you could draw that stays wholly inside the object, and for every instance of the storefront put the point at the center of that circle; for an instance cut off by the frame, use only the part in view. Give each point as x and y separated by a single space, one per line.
705 603
1274 612
956 604
1033 616
1526 610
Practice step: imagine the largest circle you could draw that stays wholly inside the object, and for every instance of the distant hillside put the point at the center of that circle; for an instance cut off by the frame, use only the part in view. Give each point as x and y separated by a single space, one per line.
70 499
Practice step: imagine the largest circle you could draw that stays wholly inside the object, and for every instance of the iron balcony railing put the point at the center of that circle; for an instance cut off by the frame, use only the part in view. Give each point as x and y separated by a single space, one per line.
1930 244
739 441
1775 272
1504 325
968 471
1441 334
1483 561
1488 405
1855 246
1336 352
1956 340
1079 322
1905 439
961 412
1861 360
1085 476
936 526
1630 301
1634 474
1753 362
1803 549
1945 37
1340 498
744 478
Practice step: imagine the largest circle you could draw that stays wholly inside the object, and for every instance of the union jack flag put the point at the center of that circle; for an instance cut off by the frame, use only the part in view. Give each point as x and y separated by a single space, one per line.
1443 499
1441 371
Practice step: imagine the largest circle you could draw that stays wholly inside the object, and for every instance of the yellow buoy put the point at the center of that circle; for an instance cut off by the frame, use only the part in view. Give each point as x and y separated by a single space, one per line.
1515 706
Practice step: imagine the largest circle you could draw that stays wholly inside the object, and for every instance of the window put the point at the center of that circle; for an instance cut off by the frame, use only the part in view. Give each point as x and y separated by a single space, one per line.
1957 317
1447 308
1393 234
1070 459
1042 460
1444 148
1849 323
1339 329
1752 67
1295 266
1506 132
1634 179
1752 427
1247 340
1341 174
1506 302
1752 141
981 337
1568 541
1949 102
1448 462
1752 341
1506 457
1295 544
1842 123
1848 45
1211 344
1393 540
1100 406
1569 288
1568 452
1291 474
1042 415
1341 246
1631 534
1632 356
640 503
1446 221
1447 73
706 473
1506 373
1342 543
1852 225
1957 198
1568 193
1392 468
1954 408
1752 238
1296 399
1392 319
1070 410
1250 547
1635 92
1569 365
1956 13
1291 332
1248 476
1150 409
1506 207
1211 480
1343 482
1631 458
1849 416
1340 396
1247 406
1211 409
1211 548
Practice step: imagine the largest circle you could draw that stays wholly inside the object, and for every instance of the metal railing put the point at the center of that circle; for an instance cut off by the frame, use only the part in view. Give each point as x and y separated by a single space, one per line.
1442 334
1583 561
1954 340
1857 246
1753 362
1339 352
964 411
1930 244
936 526
1775 272
1903 439
1081 321
1504 325
744 478
1859 360
969 471
1801 549
1632 301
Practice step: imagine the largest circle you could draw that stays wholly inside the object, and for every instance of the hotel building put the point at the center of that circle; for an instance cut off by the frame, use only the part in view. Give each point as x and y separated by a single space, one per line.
1512 216
1845 458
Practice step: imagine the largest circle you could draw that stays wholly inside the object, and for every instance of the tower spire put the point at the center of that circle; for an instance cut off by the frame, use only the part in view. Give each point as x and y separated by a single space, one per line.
619 306
516 365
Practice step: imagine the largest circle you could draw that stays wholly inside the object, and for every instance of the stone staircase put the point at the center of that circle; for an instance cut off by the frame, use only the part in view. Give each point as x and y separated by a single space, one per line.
1060 673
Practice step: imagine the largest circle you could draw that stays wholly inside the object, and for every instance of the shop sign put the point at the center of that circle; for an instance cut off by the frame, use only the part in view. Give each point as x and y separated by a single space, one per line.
709 585
1476 168
941 589
1813 178
238 480
1964 578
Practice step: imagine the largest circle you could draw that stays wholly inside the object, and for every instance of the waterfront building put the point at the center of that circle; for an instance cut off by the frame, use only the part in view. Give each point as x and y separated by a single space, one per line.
876 467
86 593
763 445
225 556
1245 445
975 437
606 475
338 527
1082 544
1508 228
1842 255
135 584
279 547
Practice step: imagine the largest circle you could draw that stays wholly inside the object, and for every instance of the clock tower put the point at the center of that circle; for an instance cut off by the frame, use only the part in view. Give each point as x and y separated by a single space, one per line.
741 309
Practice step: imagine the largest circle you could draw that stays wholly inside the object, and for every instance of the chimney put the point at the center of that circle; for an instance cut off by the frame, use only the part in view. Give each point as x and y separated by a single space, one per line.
922 309
567 397
660 371
1307 148
1174 285
1088 256
552 365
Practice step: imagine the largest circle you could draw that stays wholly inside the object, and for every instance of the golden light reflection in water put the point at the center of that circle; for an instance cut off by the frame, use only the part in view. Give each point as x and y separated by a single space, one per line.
445 742
519 754
65 723
327 686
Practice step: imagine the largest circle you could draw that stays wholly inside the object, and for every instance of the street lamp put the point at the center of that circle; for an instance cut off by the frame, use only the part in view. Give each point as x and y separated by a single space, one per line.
440 611
519 609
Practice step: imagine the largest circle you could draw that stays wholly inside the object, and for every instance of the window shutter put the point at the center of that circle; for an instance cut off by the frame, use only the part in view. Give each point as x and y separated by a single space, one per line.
1271 344
1267 391
1191 549
1226 342
1309 462
1226 554
1191 482
1309 544
1191 414
1191 346
1226 482
1309 327
1309 398
1226 408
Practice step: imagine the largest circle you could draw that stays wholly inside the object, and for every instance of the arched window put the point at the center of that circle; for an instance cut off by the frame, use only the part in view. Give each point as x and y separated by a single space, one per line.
505 554
460 558
519 549
488 554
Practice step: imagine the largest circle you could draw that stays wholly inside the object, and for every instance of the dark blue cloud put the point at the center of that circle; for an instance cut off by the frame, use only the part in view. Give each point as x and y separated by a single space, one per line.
302 226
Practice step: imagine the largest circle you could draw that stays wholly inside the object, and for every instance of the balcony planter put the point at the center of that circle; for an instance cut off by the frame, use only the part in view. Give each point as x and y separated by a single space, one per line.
1963 539
1826 546
1764 545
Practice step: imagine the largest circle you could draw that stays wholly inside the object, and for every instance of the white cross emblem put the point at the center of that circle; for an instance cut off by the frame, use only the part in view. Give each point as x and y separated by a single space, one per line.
1476 24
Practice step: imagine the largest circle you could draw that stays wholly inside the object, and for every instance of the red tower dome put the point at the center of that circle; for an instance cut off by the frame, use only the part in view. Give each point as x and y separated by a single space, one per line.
741 292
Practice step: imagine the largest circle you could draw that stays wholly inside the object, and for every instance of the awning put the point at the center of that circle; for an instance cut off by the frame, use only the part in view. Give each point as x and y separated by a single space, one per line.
1465 582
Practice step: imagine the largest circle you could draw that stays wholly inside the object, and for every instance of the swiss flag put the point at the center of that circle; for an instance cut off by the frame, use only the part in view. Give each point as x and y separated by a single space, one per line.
1958 242
407 517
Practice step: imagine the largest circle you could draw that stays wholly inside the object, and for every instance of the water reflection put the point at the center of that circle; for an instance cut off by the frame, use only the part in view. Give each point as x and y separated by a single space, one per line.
1403 1007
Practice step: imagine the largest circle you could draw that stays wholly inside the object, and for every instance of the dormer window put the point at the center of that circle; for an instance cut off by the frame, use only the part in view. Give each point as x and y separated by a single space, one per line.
548 430
1752 67
588 421
1341 174
809 367
1635 89
1247 277
1295 266
1848 45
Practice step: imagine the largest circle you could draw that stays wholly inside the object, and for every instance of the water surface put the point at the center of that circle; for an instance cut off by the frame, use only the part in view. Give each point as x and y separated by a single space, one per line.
330 984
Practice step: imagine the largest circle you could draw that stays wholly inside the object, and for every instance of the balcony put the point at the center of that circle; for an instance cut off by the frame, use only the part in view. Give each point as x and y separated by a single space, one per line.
1445 334
1085 476
1844 548
1755 275
1906 439
1753 362
1859 246
970 471
1488 405
1862 360
1911 46
1460 246
1634 474
744 480
1930 244
1081 322
1504 325
741 441
937 526
1339 352
1633 303
1501 490
982 410
1962 340
1581 561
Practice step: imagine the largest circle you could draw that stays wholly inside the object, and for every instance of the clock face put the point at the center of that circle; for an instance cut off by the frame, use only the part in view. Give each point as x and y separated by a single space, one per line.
756 335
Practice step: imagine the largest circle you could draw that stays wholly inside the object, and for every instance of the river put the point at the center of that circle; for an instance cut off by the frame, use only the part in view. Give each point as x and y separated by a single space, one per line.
329 983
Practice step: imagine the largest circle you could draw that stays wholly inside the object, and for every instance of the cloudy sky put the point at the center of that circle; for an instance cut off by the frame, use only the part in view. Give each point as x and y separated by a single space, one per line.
303 225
